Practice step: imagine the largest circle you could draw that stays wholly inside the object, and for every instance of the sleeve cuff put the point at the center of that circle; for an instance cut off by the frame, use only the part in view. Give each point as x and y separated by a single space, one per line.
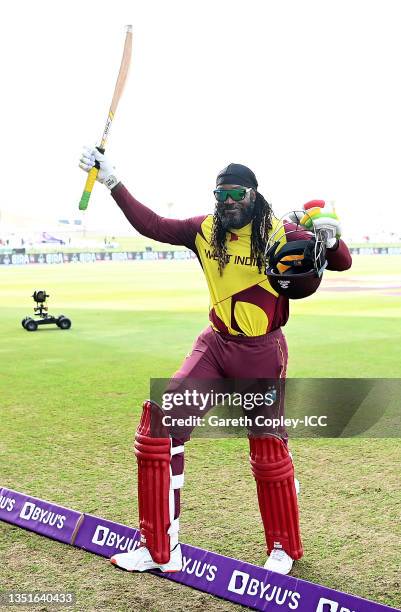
335 246
115 187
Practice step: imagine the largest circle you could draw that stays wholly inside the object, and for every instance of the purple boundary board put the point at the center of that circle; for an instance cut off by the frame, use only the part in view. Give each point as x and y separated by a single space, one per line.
230 579
40 516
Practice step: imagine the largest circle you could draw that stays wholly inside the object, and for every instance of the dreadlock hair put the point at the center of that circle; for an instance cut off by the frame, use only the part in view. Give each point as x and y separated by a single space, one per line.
261 225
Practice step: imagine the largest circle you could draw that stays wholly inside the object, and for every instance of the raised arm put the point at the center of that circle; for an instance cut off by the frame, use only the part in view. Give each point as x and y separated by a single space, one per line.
152 225
144 220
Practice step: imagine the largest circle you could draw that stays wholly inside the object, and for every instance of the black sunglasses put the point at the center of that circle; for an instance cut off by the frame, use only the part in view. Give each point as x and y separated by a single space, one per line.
237 195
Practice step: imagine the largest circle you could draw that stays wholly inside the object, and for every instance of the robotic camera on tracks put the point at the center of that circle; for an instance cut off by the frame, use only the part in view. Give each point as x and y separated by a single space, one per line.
41 310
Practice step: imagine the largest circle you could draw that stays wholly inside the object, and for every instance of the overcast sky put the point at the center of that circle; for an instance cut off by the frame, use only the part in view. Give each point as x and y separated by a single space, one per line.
306 93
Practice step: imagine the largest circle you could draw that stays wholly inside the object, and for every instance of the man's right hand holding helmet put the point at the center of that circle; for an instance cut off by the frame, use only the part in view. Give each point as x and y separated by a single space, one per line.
320 216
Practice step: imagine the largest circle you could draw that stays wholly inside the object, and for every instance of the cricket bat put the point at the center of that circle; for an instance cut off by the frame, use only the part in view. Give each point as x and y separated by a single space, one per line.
118 90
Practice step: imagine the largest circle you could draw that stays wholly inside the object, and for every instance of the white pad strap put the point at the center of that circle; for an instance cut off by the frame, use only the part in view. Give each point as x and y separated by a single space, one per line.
174 527
296 481
173 533
176 450
177 482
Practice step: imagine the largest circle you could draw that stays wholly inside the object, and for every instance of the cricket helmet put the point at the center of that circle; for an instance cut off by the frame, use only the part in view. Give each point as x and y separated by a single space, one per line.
295 268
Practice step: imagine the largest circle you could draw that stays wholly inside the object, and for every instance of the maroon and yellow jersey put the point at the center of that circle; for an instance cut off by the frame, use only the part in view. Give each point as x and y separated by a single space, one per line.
242 301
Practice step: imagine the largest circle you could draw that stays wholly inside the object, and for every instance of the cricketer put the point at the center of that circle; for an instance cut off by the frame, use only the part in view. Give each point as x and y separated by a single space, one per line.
249 308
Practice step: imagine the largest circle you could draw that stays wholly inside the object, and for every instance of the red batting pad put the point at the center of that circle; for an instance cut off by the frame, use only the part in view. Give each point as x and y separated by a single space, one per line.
314 204
274 474
153 457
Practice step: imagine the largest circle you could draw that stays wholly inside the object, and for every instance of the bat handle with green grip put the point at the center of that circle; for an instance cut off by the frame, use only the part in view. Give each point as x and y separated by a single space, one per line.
90 181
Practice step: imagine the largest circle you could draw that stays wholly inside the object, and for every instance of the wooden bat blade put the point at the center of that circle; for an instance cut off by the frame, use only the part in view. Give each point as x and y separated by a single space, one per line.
124 68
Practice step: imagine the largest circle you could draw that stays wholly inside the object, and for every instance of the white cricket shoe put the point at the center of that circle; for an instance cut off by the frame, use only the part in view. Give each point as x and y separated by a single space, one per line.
278 561
139 560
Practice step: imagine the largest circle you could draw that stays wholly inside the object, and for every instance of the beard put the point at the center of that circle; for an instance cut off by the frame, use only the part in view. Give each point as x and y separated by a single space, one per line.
236 217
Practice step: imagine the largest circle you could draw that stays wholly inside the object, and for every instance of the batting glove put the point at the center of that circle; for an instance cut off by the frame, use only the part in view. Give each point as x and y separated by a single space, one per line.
321 217
106 174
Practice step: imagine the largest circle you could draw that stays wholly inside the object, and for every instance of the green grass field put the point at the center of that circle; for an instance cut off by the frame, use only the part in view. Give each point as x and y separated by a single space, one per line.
70 402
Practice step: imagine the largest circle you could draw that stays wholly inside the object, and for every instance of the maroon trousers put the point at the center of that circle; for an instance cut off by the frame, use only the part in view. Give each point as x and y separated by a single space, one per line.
217 355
